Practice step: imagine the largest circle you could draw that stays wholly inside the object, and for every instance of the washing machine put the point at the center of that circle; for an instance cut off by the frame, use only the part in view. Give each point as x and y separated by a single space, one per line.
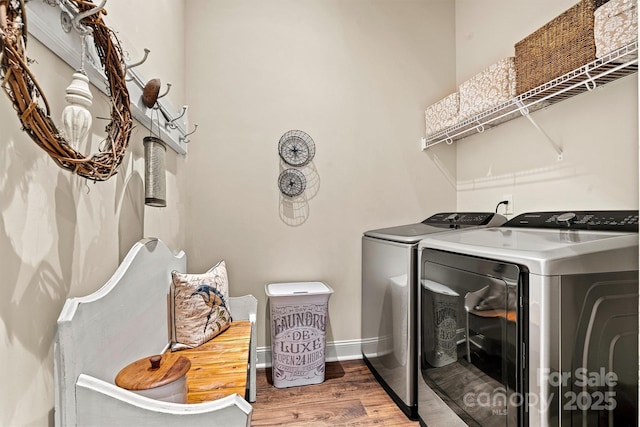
533 323
389 289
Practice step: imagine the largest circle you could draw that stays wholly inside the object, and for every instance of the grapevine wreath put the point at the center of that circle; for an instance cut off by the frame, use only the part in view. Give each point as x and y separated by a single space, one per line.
32 107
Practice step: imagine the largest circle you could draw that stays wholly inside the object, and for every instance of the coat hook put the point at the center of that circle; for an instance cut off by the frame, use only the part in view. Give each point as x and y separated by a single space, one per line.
171 123
80 16
135 64
166 92
184 138
142 61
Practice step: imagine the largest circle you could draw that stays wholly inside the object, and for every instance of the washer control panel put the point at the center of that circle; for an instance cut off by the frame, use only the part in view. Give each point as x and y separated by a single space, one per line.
578 220
464 219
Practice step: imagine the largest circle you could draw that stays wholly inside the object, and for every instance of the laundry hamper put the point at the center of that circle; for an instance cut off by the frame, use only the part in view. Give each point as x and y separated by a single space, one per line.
299 319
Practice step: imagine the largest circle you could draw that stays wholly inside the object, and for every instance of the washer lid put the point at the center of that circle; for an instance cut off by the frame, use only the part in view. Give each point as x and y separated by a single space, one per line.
410 233
437 223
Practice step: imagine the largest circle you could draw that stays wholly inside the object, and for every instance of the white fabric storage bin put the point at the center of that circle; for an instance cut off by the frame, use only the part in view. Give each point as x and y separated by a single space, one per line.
299 319
442 114
491 87
615 25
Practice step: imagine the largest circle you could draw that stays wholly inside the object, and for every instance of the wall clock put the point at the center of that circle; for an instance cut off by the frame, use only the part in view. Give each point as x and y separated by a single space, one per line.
292 182
296 148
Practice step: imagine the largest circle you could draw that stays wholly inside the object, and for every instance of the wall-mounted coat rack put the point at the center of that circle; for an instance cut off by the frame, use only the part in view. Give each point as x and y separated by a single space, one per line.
51 22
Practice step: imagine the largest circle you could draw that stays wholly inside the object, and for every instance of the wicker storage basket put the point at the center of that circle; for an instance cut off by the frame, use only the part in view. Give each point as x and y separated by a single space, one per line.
560 46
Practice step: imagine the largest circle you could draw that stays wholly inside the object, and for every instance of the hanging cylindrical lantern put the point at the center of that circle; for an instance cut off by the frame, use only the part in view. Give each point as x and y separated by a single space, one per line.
155 186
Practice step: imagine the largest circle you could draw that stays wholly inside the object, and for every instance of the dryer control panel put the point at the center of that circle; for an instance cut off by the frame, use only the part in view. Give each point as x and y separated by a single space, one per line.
578 220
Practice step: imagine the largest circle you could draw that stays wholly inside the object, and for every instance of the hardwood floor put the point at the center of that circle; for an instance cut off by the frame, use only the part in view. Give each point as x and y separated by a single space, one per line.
349 396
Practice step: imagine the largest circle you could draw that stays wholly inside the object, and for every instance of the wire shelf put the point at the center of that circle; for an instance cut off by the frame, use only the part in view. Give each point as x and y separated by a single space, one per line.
617 64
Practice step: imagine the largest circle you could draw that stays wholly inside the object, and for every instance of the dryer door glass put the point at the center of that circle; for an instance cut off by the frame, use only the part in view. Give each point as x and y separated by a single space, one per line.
469 336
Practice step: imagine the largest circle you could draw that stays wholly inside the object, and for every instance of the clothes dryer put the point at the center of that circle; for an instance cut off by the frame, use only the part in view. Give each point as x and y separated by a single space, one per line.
531 323
389 289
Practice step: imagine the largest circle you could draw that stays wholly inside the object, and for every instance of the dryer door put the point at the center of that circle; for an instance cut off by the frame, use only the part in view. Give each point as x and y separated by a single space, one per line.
469 339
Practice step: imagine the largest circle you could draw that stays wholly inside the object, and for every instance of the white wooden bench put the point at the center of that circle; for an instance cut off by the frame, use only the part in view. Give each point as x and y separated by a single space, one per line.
127 320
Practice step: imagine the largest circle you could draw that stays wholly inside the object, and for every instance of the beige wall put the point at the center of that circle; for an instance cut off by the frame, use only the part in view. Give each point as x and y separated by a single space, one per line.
598 131
356 75
61 235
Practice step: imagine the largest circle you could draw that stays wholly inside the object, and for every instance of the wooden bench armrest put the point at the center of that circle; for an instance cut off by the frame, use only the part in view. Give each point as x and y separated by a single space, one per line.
120 407
246 308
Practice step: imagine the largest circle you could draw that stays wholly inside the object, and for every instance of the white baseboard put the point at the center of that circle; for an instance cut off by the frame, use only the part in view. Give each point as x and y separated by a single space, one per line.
334 351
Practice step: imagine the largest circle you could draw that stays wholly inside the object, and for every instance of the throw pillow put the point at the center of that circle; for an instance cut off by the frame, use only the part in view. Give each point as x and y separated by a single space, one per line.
199 306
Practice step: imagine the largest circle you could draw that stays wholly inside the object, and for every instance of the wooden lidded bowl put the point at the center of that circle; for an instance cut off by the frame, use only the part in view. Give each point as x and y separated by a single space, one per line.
160 377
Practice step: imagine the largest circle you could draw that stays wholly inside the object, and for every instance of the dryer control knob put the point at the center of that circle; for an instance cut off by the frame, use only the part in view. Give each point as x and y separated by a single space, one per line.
453 217
566 218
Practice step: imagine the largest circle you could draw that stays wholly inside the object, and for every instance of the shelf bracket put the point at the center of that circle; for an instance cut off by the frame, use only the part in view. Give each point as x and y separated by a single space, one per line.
590 83
525 112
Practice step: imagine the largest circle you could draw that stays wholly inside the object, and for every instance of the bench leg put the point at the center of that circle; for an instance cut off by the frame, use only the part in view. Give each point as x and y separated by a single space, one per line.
253 361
